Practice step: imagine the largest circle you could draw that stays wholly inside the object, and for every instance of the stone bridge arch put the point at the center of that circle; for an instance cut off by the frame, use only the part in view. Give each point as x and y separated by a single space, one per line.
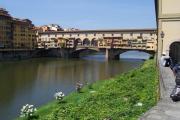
83 46
114 53
76 52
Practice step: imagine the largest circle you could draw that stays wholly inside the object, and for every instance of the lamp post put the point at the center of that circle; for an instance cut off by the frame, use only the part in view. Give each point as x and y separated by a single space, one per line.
162 36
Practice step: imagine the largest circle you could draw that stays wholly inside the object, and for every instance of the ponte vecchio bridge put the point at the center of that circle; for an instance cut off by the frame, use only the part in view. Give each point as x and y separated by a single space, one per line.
113 42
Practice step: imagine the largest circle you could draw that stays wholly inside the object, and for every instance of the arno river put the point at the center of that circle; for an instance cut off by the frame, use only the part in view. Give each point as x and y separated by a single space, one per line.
35 81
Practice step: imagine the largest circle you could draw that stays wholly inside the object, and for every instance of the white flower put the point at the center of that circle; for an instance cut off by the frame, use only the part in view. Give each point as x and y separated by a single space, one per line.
59 95
139 104
28 110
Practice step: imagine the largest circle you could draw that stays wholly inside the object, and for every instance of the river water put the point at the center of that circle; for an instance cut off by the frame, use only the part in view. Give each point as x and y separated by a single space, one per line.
35 81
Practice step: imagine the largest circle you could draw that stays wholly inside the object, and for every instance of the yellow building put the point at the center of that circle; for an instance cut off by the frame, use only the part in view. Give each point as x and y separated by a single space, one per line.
23 34
16 33
168 23
6 36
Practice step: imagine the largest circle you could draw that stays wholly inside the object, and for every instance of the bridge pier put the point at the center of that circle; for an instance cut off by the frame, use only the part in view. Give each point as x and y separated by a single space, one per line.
107 54
111 54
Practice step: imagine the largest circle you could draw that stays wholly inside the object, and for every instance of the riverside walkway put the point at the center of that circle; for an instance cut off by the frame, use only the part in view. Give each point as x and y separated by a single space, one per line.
165 109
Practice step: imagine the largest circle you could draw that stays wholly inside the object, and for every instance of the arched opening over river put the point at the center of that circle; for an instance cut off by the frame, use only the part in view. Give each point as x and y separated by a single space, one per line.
135 55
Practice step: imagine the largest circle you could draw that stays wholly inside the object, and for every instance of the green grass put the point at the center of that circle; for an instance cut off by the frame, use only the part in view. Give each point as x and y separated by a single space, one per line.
114 99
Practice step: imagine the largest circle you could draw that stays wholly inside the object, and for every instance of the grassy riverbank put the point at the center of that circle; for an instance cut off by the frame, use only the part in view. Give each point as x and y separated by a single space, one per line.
124 97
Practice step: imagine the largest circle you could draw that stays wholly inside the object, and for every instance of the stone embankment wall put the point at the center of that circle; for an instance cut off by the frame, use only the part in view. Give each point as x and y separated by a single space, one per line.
15 55
37 53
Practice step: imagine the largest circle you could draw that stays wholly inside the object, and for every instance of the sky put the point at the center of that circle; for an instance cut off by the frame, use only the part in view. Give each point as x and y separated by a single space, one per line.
85 14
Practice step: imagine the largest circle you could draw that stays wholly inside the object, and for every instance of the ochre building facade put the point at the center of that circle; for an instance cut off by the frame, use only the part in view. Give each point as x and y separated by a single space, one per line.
16 33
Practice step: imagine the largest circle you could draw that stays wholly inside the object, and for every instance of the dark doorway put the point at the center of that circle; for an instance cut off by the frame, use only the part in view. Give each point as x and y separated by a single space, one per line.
174 52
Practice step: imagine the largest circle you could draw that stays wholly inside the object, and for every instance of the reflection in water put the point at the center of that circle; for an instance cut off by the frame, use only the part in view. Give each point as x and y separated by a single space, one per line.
35 81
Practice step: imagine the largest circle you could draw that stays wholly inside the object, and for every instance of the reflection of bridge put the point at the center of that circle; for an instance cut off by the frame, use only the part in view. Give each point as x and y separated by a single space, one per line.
113 42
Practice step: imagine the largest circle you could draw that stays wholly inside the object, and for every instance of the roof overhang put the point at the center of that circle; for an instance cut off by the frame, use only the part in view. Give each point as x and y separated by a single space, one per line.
153 30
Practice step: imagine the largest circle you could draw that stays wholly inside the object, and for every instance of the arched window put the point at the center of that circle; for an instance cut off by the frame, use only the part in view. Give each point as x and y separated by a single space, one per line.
78 42
94 42
86 42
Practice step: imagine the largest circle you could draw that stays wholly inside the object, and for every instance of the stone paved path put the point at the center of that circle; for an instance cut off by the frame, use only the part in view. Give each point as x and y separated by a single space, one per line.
166 109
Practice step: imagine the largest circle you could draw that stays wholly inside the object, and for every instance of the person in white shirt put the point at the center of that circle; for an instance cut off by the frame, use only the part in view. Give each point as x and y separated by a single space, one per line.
165 60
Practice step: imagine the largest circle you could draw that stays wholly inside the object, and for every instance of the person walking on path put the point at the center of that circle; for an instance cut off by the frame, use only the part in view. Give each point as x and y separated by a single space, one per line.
166 61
